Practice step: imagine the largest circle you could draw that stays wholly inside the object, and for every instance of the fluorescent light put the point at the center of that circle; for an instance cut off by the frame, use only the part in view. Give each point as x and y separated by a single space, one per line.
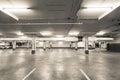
59 39
16 9
100 33
73 33
112 9
20 33
60 42
46 33
71 39
40 43
98 8
11 15
6 11
104 39
23 37
59 36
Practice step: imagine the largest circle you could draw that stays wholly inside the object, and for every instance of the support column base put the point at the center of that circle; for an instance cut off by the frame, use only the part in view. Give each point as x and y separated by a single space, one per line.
33 52
76 49
13 49
44 49
86 51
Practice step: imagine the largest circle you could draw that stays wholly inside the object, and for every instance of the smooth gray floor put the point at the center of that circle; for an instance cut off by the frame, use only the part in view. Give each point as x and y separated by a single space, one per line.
59 64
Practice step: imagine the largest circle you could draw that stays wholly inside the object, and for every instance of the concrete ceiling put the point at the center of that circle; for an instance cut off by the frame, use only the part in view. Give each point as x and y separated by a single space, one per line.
58 11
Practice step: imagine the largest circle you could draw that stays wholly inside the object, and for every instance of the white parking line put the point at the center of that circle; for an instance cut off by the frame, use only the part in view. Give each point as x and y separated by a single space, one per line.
29 74
86 76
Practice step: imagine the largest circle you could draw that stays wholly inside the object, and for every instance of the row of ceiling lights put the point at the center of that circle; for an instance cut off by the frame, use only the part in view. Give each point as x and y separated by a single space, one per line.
48 33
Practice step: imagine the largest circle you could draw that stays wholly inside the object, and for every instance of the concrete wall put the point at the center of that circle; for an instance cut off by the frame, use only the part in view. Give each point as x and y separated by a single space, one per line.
114 46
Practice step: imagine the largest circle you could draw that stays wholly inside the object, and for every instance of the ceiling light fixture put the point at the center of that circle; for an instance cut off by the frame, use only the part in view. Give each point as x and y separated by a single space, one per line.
11 15
15 9
46 33
73 33
60 42
59 36
100 33
110 10
98 8
23 37
20 33
103 39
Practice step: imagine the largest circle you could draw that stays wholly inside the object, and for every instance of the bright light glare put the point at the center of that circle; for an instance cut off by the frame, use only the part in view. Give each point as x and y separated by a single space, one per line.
16 9
71 39
59 36
103 39
60 42
100 33
17 6
97 3
13 16
73 33
59 39
20 33
23 37
109 11
98 8
46 33
40 43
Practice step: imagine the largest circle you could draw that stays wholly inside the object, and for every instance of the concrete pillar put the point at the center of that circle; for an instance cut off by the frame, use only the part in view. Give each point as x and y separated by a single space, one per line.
94 44
14 45
70 44
33 45
50 44
44 45
76 46
86 45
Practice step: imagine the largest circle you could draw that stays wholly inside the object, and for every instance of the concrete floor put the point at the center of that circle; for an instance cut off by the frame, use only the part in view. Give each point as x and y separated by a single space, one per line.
59 64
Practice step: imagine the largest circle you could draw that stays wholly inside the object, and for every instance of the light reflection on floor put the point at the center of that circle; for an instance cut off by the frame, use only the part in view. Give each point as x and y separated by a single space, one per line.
63 64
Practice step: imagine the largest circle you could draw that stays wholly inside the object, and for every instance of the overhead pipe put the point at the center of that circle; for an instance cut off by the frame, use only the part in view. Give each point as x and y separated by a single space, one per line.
42 23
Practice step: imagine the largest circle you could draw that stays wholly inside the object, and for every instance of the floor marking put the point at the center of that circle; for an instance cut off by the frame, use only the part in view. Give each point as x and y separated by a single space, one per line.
85 74
29 74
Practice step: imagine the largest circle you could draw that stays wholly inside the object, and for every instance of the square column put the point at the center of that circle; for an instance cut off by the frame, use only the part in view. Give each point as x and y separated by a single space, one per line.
33 45
50 44
76 46
14 45
44 45
86 45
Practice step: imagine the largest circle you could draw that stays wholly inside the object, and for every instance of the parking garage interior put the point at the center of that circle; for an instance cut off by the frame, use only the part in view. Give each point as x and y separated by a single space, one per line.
59 40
